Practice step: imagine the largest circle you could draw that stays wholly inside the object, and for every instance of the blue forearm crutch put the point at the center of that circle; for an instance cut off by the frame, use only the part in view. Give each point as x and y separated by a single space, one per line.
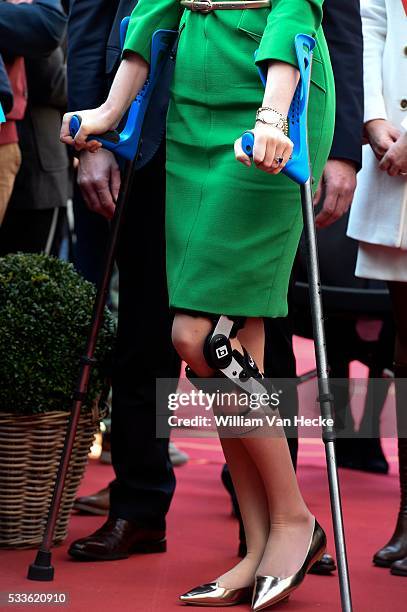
136 143
298 166
128 145
299 170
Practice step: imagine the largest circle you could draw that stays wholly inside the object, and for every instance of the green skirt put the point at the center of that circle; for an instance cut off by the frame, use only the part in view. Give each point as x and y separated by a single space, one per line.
232 232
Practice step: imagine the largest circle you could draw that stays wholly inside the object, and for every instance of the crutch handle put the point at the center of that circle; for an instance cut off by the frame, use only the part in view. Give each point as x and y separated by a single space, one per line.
298 166
126 143
108 137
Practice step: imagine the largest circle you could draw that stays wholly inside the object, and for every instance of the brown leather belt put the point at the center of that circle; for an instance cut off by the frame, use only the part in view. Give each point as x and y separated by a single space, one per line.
207 6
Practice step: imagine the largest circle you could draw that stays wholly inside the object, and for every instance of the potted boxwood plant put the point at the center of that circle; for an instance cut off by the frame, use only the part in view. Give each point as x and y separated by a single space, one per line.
45 311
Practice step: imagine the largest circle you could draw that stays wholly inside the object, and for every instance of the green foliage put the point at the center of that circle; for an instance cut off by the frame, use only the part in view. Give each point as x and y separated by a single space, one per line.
45 312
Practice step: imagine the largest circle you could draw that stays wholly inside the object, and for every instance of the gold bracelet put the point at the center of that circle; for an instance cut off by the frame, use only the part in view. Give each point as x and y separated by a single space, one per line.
277 119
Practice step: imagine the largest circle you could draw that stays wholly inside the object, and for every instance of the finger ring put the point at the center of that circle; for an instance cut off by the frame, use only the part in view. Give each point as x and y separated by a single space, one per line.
279 160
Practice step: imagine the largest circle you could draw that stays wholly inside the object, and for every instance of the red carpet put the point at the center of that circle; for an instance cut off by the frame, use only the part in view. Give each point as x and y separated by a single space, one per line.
202 541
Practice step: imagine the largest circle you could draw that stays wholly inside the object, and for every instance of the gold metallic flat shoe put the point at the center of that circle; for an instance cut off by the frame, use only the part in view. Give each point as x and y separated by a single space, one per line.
270 590
212 594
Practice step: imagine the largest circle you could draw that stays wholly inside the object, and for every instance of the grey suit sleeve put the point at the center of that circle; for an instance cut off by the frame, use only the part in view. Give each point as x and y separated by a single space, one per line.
343 29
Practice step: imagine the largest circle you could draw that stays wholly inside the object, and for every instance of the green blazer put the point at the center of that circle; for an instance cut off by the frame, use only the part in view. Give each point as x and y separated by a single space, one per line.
286 19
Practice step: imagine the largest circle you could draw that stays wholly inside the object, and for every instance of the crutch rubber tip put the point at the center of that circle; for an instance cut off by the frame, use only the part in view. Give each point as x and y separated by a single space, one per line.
41 569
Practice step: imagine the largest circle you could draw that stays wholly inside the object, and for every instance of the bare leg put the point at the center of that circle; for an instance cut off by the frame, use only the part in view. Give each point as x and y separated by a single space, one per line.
254 509
290 520
261 470
189 334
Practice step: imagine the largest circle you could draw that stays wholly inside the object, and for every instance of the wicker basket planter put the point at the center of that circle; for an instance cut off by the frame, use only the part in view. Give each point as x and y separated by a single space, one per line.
45 313
30 447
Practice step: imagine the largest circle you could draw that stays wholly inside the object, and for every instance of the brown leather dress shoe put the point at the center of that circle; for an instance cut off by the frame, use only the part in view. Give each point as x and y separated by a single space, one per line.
118 539
96 504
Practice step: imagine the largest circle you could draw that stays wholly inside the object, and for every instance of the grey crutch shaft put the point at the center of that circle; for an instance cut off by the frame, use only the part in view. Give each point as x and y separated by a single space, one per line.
325 397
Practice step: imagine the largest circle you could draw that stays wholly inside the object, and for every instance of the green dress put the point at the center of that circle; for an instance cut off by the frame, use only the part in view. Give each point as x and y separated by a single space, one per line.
232 232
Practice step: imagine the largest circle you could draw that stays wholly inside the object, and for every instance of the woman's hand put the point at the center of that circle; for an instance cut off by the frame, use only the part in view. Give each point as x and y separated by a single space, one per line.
129 79
395 160
94 121
381 134
272 149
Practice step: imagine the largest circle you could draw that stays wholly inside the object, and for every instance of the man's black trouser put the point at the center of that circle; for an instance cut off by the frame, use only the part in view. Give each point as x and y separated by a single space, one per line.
32 231
145 482
280 363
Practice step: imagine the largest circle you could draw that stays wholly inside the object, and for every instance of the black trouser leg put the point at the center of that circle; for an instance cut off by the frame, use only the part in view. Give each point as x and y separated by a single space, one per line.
92 233
280 363
394 554
28 231
145 481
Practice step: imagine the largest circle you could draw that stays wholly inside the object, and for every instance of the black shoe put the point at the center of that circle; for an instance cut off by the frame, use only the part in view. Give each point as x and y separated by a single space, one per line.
399 568
118 539
325 566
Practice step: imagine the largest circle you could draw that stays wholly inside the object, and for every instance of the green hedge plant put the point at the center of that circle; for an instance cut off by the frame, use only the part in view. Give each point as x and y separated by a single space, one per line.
45 313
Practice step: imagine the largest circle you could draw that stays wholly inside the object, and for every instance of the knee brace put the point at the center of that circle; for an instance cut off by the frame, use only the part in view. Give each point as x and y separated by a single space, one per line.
228 362
241 372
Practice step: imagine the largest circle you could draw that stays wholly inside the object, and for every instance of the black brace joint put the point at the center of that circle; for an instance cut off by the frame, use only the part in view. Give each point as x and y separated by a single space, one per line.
218 351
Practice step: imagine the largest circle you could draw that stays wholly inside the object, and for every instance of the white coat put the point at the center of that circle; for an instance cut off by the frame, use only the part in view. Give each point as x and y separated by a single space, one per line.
379 210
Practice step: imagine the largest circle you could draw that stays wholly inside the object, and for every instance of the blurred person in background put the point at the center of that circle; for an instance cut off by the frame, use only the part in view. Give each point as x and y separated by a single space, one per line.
138 500
6 94
31 33
379 215
6 104
15 92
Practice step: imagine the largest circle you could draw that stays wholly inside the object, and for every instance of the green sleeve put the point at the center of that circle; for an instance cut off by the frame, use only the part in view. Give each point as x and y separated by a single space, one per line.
147 17
287 19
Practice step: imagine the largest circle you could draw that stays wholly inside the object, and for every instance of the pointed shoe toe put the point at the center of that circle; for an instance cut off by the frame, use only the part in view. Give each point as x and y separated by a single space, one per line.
212 594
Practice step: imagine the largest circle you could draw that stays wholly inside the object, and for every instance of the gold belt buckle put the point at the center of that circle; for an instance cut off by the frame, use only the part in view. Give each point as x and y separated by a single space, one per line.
206 9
